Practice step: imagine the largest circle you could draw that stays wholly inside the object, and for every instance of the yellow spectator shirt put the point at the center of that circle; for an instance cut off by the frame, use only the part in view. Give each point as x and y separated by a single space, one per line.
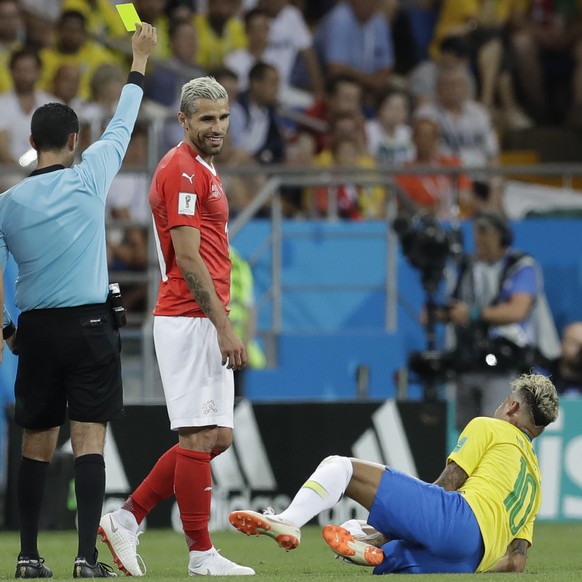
101 15
212 48
88 59
454 14
504 484
5 76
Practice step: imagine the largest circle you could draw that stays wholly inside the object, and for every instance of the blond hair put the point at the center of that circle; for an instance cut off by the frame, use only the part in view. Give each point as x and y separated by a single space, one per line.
200 88
540 396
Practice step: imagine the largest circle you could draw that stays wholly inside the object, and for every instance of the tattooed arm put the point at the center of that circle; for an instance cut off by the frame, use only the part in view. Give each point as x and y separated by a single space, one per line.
186 242
452 477
515 558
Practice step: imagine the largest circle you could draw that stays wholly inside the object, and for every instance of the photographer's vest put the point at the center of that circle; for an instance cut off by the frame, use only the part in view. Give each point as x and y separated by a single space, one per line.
542 333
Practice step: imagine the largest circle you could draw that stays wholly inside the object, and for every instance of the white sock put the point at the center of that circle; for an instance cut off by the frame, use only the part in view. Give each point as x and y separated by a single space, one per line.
126 519
321 491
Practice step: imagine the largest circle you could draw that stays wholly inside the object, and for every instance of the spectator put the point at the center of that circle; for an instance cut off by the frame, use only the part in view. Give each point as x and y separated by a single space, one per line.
11 37
548 50
486 26
454 52
343 97
18 105
105 85
289 41
466 129
154 12
220 32
354 39
254 123
349 200
495 304
388 135
240 188
566 370
65 86
165 83
128 202
40 22
73 47
240 62
435 192
102 17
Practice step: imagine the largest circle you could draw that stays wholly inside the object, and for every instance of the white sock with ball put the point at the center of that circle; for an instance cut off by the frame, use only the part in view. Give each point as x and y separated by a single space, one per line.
321 491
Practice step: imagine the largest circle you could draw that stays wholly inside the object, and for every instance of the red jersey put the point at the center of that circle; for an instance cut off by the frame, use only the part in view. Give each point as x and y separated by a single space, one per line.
187 191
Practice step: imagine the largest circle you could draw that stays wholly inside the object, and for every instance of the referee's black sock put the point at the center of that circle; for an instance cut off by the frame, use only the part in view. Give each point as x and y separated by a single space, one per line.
90 491
31 481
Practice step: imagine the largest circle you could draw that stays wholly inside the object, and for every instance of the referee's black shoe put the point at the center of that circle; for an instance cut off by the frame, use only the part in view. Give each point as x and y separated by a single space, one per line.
82 569
32 568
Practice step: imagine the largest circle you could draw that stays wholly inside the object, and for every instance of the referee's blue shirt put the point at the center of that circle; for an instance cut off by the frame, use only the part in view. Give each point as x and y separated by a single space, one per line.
53 222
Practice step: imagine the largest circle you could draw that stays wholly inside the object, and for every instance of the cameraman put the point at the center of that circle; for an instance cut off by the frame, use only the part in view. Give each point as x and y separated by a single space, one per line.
566 370
493 309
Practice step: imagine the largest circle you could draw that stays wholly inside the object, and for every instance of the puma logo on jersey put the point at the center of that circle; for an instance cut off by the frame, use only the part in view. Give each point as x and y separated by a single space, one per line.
189 178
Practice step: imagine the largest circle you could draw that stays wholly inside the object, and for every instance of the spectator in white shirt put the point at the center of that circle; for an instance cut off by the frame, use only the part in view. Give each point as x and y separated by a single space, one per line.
290 39
18 105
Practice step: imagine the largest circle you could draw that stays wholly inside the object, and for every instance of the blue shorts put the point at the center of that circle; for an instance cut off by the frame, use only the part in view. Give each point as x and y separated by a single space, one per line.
431 530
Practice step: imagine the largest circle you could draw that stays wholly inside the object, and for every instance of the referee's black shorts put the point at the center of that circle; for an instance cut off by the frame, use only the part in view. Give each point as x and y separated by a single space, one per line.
67 356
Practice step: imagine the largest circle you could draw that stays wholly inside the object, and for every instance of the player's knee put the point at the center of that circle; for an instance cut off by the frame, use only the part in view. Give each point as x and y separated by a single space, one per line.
340 463
331 459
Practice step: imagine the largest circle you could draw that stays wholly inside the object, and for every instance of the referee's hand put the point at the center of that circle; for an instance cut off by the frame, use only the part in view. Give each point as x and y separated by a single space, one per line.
143 43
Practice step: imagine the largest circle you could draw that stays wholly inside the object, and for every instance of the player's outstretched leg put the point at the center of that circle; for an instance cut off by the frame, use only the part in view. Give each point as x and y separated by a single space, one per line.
122 542
285 533
345 545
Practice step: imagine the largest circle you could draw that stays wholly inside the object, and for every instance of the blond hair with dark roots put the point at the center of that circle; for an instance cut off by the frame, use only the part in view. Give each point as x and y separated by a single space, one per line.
200 88
540 395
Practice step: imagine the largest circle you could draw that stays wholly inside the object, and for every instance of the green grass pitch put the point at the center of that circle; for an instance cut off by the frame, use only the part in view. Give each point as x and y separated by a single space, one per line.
555 556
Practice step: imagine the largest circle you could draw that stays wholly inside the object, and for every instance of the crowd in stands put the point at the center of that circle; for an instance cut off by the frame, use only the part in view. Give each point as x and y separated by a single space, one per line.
328 83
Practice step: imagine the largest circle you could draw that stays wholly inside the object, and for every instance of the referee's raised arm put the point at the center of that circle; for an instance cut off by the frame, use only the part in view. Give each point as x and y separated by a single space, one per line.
102 160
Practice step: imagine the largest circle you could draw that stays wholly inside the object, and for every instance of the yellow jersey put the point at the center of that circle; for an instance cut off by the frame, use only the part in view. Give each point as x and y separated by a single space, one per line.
454 14
504 484
89 58
212 48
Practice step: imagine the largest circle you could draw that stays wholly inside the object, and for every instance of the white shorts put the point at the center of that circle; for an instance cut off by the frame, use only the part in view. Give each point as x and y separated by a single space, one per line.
199 390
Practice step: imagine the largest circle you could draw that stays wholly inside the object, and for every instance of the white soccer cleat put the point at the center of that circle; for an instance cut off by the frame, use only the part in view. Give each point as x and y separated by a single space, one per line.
211 563
362 531
122 543
343 543
252 523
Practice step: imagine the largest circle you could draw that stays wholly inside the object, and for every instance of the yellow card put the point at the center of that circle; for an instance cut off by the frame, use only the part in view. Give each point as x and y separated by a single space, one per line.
128 15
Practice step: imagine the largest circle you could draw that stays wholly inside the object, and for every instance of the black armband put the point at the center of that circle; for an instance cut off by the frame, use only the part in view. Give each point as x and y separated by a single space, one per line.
136 78
8 331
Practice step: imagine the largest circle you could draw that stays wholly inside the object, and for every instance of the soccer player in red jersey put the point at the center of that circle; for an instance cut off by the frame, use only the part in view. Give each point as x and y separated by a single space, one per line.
196 345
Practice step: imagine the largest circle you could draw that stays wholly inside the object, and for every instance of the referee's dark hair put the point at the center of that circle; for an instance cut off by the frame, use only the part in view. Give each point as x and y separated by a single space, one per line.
51 126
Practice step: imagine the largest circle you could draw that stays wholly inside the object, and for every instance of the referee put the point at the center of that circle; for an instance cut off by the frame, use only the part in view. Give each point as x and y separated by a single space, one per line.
53 223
